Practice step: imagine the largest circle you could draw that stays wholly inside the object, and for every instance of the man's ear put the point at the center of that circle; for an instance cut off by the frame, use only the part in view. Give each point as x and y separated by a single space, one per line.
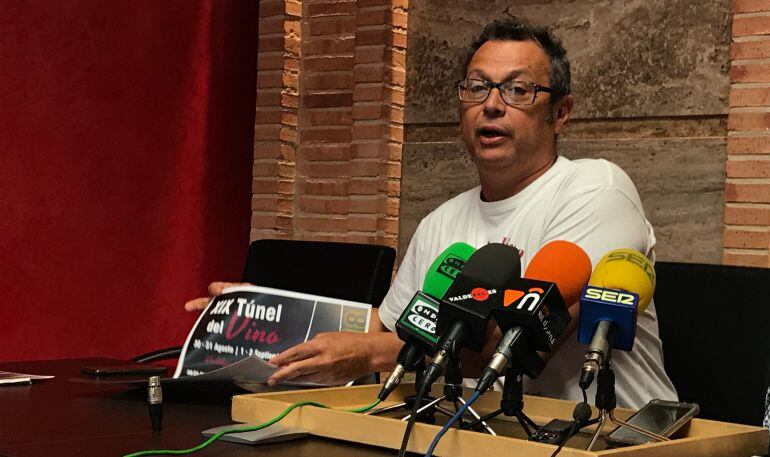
562 113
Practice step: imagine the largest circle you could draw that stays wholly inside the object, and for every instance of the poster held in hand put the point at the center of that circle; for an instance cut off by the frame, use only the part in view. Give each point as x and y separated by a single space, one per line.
253 322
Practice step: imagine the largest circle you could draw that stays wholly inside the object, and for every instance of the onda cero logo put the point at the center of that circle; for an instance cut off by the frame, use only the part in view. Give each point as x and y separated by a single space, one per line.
530 298
423 316
451 266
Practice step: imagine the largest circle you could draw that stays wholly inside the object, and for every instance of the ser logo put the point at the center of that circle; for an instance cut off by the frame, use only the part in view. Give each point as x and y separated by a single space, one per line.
635 259
529 298
611 296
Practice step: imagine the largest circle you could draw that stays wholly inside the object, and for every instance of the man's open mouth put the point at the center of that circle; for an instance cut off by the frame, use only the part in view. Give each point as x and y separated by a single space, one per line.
491 132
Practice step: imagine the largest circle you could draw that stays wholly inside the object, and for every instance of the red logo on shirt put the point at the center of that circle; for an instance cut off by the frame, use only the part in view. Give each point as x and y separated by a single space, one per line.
508 242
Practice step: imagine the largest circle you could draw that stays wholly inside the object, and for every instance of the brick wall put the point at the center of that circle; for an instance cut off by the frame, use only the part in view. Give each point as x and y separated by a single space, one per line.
747 189
276 120
329 124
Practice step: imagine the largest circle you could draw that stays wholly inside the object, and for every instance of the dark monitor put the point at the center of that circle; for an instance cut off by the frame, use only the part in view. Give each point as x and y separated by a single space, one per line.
356 272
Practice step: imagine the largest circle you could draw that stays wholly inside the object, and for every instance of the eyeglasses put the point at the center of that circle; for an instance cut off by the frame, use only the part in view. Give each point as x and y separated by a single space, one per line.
513 92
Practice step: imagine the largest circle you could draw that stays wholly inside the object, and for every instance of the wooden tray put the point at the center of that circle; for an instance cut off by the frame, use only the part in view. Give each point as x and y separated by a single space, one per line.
700 438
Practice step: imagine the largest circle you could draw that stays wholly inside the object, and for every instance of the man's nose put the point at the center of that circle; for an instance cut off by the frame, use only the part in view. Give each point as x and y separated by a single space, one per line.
494 105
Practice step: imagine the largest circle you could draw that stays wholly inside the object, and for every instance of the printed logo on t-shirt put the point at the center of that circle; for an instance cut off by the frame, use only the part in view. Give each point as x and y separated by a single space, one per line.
508 242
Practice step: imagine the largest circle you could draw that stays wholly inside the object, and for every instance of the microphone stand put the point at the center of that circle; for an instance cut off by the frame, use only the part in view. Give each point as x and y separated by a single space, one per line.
512 402
606 402
426 412
453 389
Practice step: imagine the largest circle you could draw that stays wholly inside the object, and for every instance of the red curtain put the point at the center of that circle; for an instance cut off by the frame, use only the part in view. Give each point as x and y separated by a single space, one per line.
126 134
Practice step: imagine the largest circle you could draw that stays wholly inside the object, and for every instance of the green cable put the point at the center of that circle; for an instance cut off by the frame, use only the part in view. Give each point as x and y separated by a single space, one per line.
364 409
247 429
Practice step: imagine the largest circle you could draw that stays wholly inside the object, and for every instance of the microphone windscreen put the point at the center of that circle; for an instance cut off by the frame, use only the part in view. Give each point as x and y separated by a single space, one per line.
493 265
564 263
628 270
445 269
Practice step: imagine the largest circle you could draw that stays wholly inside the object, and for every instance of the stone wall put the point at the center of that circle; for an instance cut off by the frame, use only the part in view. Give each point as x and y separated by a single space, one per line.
650 79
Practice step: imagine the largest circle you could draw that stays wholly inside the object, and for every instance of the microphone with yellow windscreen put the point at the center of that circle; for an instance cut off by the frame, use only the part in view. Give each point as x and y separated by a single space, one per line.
626 269
620 288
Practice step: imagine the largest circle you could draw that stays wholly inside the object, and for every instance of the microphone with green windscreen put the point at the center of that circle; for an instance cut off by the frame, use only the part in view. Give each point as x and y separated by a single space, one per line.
417 324
445 269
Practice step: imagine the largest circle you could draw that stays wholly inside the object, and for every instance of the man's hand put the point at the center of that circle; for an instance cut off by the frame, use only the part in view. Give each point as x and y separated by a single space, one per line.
329 358
215 288
336 358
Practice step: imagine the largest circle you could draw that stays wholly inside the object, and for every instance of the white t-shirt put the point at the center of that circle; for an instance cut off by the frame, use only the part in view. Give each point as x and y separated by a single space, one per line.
592 203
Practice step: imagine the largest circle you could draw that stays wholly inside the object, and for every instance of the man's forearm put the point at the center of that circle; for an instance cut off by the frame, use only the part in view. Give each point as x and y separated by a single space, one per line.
383 350
384 344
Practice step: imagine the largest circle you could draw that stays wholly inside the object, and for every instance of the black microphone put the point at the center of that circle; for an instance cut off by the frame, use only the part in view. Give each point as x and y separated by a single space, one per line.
533 313
465 311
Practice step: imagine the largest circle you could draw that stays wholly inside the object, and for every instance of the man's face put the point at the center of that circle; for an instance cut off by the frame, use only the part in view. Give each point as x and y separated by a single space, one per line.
499 135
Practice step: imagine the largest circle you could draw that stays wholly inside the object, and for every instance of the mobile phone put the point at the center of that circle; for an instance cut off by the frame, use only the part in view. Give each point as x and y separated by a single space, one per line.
125 370
658 416
554 432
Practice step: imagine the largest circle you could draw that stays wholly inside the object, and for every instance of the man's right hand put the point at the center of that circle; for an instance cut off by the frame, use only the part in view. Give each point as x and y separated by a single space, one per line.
215 288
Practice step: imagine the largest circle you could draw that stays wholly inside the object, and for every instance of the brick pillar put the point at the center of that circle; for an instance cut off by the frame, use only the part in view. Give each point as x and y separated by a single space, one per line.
747 191
330 110
325 119
378 118
275 130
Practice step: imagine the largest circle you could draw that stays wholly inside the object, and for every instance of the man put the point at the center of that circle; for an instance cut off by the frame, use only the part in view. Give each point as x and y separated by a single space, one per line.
515 100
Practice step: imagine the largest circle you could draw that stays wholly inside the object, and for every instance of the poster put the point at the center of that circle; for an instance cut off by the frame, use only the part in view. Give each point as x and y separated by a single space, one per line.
260 322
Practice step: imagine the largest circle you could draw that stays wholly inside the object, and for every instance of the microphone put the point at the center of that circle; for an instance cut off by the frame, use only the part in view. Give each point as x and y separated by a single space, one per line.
533 313
417 324
620 289
465 311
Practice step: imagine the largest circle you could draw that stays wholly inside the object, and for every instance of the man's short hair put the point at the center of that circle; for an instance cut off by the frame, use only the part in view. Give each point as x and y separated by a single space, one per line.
518 30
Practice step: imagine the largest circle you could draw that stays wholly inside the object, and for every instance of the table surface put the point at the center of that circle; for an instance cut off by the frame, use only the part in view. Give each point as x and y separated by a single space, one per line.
64 418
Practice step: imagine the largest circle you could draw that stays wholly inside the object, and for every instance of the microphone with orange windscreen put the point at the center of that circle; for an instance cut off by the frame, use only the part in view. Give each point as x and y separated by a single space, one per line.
533 315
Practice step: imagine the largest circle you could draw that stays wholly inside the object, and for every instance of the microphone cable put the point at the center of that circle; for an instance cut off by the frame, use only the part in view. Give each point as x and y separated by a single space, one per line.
247 429
581 417
451 422
413 417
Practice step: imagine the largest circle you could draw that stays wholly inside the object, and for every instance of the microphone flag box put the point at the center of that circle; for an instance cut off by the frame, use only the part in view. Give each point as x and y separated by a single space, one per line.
618 306
254 322
536 306
418 322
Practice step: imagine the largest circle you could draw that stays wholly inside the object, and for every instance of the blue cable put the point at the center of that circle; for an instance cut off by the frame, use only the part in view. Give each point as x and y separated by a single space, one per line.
451 422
